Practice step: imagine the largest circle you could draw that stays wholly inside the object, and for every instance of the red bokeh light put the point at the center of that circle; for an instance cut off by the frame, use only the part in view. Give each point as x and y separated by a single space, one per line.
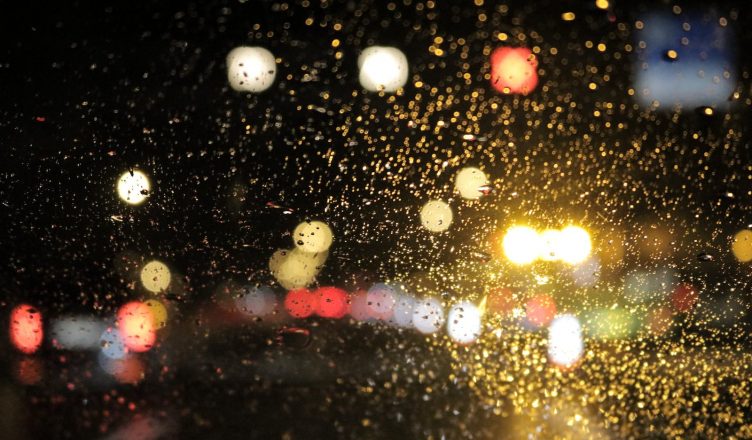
684 297
136 325
26 328
301 303
540 310
500 301
514 70
332 302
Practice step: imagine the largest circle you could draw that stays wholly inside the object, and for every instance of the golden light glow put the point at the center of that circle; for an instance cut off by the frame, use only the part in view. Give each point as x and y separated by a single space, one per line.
436 216
313 237
741 247
574 245
133 187
158 313
469 181
294 268
521 245
155 276
549 250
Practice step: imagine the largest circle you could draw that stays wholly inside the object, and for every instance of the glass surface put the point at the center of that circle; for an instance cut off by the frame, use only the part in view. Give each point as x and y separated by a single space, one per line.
375 219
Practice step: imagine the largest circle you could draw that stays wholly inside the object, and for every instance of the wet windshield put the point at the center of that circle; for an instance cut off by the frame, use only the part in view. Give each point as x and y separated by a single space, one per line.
367 219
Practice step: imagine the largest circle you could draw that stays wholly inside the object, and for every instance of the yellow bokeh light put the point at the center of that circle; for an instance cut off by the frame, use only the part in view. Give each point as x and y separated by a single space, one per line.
155 276
469 182
741 247
574 245
521 244
436 216
549 240
294 268
133 187
158 312
313 237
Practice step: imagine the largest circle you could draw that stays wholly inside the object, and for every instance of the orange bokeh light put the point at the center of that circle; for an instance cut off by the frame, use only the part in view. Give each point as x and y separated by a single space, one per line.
26 328
514 70
136 325
540 310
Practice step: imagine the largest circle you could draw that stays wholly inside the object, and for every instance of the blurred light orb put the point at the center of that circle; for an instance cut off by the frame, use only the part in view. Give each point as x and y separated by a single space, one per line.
111 343
428 315
549 240
587 273
256 301
133 187
359 305
294 268
158 313
155 276
136 325
574 245
463 322
381 300
382 69
741 247
684 297
436 216
521 245
402 315
251 69
26 328
301 303
313 237
540 310
76 332
469 182
514 70
331 303
565 345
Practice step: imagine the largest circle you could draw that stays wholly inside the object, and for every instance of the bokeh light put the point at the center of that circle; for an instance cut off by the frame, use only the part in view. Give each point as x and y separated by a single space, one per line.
331 303
26 328
436 216
521 245
514 70
574 245
565 344
301 303
155 276
470 182
428 315
136 325
741 247
133 187
295 268
313 237
256 301
382 69
464 322
158 313
549 240
76 332
540 310
381 300
250 69
112 344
